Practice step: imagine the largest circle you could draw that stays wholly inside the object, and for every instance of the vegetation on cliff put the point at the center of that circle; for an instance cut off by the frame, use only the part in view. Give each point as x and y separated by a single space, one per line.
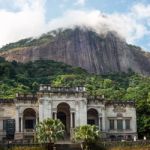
29 42
82 47
25 78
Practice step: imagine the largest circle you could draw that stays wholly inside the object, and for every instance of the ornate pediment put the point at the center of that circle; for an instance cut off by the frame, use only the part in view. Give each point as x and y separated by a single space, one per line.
40 100
119 109
119 115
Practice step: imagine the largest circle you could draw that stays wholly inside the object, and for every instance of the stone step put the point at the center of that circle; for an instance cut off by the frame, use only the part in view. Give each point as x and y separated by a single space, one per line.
68 147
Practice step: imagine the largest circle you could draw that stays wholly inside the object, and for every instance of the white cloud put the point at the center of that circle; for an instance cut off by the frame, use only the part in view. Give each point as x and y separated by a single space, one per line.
80 2
141 11
30 21
75 2
124 24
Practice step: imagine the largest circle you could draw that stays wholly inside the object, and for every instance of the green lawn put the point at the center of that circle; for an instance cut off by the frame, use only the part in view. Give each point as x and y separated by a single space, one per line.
132 148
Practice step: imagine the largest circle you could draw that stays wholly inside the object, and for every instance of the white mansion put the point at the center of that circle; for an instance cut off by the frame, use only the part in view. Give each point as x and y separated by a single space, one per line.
115 119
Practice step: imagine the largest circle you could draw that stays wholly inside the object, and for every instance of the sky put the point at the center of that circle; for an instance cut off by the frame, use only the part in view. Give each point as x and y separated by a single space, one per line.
21 19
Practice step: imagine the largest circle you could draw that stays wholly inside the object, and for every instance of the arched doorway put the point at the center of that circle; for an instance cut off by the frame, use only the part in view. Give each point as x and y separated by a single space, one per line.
63 113
29 119
92 117
62 117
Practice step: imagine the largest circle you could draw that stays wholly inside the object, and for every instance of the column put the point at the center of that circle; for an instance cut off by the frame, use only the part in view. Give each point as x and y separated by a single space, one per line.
47 108
103 121
71 120
83 112
100 123
71 124
124 125
21 124
17 119
37 120
77 116
133 121
55 115
41 111
115 122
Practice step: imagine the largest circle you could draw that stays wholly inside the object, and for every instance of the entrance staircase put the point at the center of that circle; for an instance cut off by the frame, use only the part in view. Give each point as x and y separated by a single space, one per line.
68 146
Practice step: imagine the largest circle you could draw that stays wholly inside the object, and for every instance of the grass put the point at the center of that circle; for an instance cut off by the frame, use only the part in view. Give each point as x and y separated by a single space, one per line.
27 148
131 148
144 147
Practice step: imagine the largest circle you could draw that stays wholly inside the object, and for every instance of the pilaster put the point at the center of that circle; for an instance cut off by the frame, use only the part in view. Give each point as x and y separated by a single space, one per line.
17 119
103 120
41 111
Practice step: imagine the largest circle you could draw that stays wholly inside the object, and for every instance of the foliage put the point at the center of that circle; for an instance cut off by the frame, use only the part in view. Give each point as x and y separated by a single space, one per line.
25 78
45 38
42 40
49 131
86 134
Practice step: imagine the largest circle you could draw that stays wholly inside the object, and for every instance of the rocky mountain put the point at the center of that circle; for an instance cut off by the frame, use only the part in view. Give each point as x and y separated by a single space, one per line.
97 53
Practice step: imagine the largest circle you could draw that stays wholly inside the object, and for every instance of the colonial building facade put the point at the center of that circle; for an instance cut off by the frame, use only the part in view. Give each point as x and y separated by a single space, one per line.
115 119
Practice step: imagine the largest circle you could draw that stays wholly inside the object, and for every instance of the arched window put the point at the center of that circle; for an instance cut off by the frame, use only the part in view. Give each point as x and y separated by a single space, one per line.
29 117
92 117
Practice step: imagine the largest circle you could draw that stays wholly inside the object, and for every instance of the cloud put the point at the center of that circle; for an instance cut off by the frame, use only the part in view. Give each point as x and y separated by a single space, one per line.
29 21
125 25
141 11
80 2
75 2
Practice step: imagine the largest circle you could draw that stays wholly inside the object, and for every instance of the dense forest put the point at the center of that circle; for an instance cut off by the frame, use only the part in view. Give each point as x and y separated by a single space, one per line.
25 78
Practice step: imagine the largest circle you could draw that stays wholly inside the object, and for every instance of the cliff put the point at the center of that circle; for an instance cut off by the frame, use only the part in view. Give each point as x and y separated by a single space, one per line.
84 48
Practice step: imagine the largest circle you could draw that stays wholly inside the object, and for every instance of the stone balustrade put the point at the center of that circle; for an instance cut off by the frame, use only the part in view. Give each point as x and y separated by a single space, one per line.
6 101
26 97
48 88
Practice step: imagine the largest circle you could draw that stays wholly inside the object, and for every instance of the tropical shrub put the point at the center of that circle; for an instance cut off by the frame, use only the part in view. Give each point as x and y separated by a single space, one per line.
49 131
86 134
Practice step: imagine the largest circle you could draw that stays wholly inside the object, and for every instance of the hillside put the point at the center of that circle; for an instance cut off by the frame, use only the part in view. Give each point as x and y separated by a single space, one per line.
100 54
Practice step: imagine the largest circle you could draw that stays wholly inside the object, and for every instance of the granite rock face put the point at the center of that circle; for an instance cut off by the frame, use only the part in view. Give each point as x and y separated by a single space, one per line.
85 48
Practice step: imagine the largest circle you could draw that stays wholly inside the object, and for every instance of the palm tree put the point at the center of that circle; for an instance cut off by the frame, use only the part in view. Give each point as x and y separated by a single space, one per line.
86 134
49 131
